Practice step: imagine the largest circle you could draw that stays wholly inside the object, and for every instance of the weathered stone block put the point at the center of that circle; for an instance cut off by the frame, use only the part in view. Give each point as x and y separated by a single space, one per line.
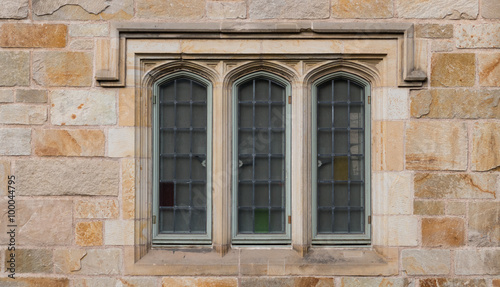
44 7
31 96
69 142
388 145
61 69
490 9
442 46
68 260
440 9
33 260
138 281
89 233
227 10
370 282
96 282
73 107
452 282
426 262
206 281
489 70
101 208
484 223
289 9
15 141
390 104
456 208
18 73
400 230
35 281
67 177
89 30
436 146
434 31
477 262
14 35
453 185
453 70
286 282
119 232
443 232
6 96
5 170
23 114
392 193
121 142
496 282
14 9
477 35
101 262
428 207
485 154
81 44
170 9
455 103
128 188
362 9
117 10
126 105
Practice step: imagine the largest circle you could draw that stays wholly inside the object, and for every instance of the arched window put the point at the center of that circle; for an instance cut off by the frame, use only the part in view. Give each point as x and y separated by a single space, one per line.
341 159
182 159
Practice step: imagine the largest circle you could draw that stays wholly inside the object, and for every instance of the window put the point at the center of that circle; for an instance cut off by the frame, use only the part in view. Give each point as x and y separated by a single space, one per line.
182 159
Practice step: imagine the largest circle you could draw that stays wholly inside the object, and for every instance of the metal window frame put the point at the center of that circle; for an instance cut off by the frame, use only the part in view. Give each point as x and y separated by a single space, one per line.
260 238
332 239
191 238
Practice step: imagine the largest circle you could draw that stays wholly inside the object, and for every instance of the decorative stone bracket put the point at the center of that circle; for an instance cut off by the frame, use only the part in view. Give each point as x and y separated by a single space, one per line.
111 52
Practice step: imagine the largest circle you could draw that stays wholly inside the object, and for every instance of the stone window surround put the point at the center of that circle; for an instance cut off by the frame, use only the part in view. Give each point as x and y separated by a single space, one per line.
119 63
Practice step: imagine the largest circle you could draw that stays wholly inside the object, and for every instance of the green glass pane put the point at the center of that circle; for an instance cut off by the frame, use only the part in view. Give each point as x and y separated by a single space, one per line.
261 220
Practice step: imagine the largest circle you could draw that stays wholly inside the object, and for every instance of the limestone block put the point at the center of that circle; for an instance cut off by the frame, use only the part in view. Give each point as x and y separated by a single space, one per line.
390 104
477 35
170 9
443 232
455 103
297 46
452 282
400 230
81 44
117 10
96 208
23 114
456 208
89 30
89 233
126 107
453 70
5 170
35 281
69 142
121 142
436 146
60 69
439 9
426 262
33 260
388 145
227 10
484 223
74 107
428 207
434 31
101 262
14 9
128 188
496 282
6 96
97 282
67 177
490 9
33 35
18 73
477 262
68 260
138 281
392 193
362 9
489 70
119 232
453 185
15 141
206 281
485 154
370 282
442 46
289 9
286 282
44 7
31 96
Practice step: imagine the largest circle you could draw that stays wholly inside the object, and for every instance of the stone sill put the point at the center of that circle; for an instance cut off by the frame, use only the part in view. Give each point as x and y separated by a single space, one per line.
319 261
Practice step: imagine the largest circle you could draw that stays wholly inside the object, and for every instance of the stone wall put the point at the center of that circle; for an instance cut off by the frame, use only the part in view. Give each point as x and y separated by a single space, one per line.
70 142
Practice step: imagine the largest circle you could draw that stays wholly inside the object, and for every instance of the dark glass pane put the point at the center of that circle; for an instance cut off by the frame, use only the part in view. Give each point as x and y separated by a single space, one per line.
168 142
245 195
261 220
277 168
356 93
340 221
324 194
199 92
324 142
198 220
261 116
324 221
261 195
199 142
325 166
356 140
199 116
340 91
261 90
341 145
357 194
277 219
167 168
167 93
325 92
356 221
261 169
261 142
340 116
166 220
356 116
324 116
167 119
245 91
182 219
356 168
245 171
246 116
245 142
277 93
245 221
183 116
199 198
183 90
182 169
182 194
198 171
277 195
277 142
340 194
182 142
166 194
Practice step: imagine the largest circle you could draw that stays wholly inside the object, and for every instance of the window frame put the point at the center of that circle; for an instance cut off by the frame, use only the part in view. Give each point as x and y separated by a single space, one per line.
264 239
189 238
341 238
